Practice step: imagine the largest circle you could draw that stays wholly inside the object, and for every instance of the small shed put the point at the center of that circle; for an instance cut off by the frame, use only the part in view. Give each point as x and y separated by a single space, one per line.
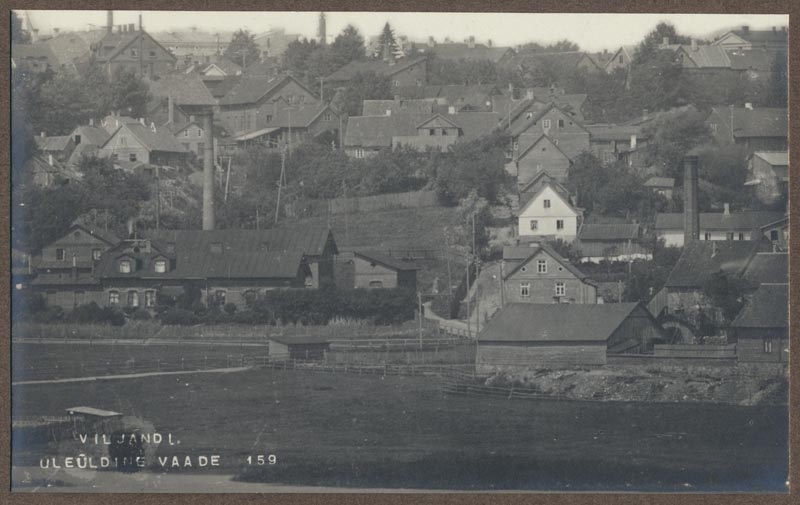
761 330
526 336
298 348
373 270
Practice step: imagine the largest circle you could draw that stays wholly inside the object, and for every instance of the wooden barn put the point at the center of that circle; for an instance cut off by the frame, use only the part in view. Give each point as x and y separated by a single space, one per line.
761 330
524 336
301 348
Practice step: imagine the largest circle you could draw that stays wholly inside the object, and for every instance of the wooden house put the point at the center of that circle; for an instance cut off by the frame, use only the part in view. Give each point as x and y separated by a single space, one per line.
611 242
372 270
752 128
139 143
744 38
761 330
769 175
525 336
548 213
538 274
298 348
724 225
132 50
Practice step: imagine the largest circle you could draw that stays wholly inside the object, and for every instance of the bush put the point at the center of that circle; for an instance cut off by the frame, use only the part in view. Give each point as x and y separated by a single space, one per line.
140 315
230 308
93 313
179 317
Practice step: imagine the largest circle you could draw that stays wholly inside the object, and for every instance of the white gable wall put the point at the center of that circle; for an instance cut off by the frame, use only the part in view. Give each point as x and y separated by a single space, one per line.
547 218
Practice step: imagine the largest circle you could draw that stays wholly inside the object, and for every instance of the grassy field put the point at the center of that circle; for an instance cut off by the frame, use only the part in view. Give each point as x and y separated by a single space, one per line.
345 430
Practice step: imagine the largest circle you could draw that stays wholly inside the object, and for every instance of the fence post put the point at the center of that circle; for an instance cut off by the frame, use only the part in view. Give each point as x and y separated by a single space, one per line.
181 363
158 365
205 362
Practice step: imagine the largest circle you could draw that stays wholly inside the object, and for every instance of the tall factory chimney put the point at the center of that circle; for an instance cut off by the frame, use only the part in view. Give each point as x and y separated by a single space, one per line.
109 21
208 173
691 215
321 29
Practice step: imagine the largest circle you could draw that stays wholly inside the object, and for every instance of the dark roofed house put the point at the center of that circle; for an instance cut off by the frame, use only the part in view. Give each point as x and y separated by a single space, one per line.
661 185
132 50
744 38
753 128
87 140
611 242
137 143
769 175
768 268
469 51
371 270
755 63
47 172
34 58
734 226
525 336
398 105
700 57
298 348
761 330
402 73
60 147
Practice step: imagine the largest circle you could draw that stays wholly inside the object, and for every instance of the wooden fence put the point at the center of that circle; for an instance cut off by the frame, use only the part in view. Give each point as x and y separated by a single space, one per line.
312 208
689 351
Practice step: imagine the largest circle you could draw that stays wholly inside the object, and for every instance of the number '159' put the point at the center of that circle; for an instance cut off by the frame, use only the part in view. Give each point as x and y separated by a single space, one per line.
262 460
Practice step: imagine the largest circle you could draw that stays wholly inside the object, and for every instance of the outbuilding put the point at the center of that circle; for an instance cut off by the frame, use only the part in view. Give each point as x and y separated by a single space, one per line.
525 336
298 348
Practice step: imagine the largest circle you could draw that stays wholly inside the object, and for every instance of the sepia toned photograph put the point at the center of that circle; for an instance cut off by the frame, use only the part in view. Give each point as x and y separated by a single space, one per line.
379 252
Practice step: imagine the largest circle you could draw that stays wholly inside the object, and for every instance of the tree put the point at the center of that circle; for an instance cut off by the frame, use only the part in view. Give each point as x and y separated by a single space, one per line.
726 293
243 49
656 83
477 165
651 42
387 47
347 46
366 86
295 58
672 137
66 101
778 91
18 33
128 94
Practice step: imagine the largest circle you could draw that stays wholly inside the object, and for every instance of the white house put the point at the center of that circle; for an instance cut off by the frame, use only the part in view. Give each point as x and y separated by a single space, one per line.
549 213
725 225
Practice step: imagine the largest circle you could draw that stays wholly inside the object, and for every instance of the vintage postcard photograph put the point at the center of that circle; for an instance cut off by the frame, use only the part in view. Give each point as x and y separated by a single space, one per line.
324 252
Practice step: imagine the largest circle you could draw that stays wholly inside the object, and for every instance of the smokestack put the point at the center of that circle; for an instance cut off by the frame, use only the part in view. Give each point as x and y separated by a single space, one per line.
170 109
208 173
691 216
109 21
140 24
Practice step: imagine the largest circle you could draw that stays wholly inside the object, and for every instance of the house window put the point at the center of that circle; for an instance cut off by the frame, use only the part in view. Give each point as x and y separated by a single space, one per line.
768 346
620 58
309 281
534 225
561 123
123 141
713 127
396 83
132 157
133 52
269 118
707 236
559 224
359 153
199 132
555 142
741 236
124 267
327 116
96 254
541 266
160 266
546 123
773 235
152 54
113 297
529 115
547 204
432 131
560 289
516 145
250 296
444 132
60 254
219 295
375 284
77 139
133 298
729 235
150 298
525 289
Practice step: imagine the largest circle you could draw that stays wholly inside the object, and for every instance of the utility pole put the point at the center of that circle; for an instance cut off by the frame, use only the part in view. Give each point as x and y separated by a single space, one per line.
346 217
419 309
158 197
502 284
447 258
280 182
321 90
257 217
227 180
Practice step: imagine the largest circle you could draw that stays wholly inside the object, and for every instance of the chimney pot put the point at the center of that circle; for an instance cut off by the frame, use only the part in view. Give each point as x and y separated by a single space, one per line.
746 28
50 159
451 110
691 215
633 141
42 134
727 208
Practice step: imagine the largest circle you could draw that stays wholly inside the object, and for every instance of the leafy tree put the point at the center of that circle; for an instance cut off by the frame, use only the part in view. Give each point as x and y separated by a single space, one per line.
120 192
18 33
563 45
295 58
651 42
243 49
66 101
319 64
442 71
726 293
778 92
656 83
672 137
347 46
478 165
365 86
392 171
647 277
128 94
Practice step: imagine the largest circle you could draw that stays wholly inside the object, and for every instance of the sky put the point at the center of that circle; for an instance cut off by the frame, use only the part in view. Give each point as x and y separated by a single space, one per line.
592 32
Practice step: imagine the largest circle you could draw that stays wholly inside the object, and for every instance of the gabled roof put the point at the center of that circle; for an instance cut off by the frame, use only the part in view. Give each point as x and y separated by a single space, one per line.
735 221
225 65
768 268
252 89
594 231
310 242
434 118
706 56
92 135
702 258
472 52
756 122
556 322
403 105
185 89
387 261
298 117
609 132
379 67
523 127
768 307
160 140
377 131
536 142
527 199
519 252
541 175
121 41
46 144
38 51
760 36
543 246
660 182
774 158
759 59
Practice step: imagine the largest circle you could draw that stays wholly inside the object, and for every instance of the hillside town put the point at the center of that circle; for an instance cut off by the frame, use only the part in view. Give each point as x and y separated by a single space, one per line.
529 222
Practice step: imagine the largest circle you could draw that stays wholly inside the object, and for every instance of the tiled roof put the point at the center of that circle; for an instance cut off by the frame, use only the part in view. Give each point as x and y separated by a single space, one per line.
310 242
735 221
185 89
707 56
59 143
556 322
518 252
65 278
462 51
225 86
119 41
252 88
609 132
761 36
39 51
379 67
301 116
768 307
91 135
630 231
660 182
160 140
774 158
543 246
526 195
387 261
701 258
104 235
751 59
403 105
756 122
226 65
768 267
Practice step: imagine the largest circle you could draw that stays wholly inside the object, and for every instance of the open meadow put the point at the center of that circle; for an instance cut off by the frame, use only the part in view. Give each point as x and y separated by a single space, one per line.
367 431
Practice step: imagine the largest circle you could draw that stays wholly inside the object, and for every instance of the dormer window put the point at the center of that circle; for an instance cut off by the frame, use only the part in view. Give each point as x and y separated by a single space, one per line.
160 266
125 267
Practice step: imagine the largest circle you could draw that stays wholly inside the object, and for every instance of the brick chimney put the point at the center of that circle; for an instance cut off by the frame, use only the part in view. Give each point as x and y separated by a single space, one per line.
691 215
109 21
471 42
746 28
694 45
664 41
726 208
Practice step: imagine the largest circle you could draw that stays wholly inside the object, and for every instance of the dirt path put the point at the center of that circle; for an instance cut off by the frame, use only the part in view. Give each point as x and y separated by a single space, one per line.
129 376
